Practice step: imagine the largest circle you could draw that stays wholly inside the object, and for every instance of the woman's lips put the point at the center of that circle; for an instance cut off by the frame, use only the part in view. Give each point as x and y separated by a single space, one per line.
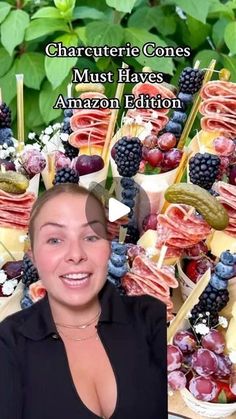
75 280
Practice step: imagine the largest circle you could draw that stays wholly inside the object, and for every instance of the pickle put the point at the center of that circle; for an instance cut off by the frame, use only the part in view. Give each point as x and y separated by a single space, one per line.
13 182
207 205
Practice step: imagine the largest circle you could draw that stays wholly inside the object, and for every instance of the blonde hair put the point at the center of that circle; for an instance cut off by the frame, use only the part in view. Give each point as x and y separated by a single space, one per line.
69 188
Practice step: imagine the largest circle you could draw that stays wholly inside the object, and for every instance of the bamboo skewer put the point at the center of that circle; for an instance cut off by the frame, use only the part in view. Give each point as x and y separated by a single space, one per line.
112 123
188 305
20 111
0 96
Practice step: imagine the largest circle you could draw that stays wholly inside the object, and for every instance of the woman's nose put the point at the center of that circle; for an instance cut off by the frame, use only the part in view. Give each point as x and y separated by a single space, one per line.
75 252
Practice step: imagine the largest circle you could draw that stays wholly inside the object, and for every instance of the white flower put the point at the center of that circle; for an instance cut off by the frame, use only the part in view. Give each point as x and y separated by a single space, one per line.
64 136
138 120
127 120
3 276
23 238
150 251
223 322
9 286
5 146
48 130
232 357
34 146
56 126
201 328
11 150
188 315
31 135
45 139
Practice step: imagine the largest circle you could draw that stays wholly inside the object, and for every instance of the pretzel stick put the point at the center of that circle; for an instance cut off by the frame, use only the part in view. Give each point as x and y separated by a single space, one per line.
188 305
112 123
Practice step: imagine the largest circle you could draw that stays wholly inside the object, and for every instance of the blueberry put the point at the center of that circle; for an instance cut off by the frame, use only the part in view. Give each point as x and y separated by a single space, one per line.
129 202
9 142
179 117
186 98
129 193
26 302
126 182
118 248
115 271
5 133
224 271
218 283
173 127
113 280
68 113
118 260
234 255
227 258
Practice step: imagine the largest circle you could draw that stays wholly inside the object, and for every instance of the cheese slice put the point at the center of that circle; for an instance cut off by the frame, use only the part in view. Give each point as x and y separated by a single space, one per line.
221 241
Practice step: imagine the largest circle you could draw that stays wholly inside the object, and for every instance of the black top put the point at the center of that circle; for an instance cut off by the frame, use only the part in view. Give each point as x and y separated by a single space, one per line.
35 379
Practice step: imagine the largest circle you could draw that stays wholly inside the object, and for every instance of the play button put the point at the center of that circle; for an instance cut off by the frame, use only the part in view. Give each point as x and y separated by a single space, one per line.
116 210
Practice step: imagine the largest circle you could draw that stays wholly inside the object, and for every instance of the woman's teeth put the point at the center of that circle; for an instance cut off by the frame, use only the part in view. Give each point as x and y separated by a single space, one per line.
76 276
75 279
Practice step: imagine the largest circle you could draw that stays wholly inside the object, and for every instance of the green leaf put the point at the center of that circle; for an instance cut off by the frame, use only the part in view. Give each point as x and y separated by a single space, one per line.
47 12
47 99
33 117
139 37
42 27
196 32
218 31
13 29
205 56
197 9
125 6
84 12
104 33
218 9
4 10
230 64
31 64
64 5
230 36
5 61
81 32
153 17
57 68
222 397
8 85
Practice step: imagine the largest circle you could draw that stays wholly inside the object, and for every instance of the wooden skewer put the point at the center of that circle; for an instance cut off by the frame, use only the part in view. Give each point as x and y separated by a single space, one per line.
112 123
122 234
0 96
188 305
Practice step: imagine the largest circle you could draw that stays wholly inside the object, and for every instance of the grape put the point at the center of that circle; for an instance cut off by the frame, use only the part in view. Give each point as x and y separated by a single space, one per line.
154 157
177 380
203 388
204 362
9 165
113 152
166 141
89 164
232 175
224 146
150 141
145 152
134 250
195 251
224 366
142 166
232 383
185 341
214 341
171 159
150 222
174 358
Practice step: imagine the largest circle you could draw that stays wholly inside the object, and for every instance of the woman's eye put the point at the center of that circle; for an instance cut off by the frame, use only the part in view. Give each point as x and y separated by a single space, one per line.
53 240
91 238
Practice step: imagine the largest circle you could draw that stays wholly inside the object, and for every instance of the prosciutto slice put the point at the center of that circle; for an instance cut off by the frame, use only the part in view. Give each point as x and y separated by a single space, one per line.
216 88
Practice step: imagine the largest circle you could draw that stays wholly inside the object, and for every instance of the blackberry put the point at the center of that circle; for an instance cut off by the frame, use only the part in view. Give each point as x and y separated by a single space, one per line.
30 273
203 169
132 235
128 156
198 315
70 151
5 116
222 299
66 128
190 80
212 299
66 175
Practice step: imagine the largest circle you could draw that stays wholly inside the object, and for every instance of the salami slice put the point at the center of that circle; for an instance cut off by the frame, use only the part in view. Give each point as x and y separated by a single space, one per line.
218 88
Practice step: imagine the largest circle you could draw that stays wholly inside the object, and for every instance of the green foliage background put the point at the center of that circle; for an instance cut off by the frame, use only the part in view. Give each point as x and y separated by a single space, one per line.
208 26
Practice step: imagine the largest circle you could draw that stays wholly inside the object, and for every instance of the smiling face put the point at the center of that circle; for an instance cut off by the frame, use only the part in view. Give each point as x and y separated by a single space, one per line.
70 249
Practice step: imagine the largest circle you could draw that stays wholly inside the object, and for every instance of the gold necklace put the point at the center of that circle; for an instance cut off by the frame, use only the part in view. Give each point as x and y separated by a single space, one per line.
80 339
80 326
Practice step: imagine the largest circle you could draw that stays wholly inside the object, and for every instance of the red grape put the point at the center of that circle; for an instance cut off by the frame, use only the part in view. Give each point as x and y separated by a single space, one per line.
145 151
150 222
113 152
185 341
142 166
88 164
166 141
134 250
171 159
224 146
224 366
232 175
8 164
154 157
232 383
150 141
204 362
195 251
177 380
214 341
203 388
174 358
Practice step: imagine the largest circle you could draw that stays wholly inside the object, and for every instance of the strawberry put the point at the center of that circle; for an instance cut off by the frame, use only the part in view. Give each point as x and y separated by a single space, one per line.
224 395
195 268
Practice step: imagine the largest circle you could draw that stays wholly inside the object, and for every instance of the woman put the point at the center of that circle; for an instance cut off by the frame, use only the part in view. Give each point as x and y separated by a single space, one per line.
83 351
